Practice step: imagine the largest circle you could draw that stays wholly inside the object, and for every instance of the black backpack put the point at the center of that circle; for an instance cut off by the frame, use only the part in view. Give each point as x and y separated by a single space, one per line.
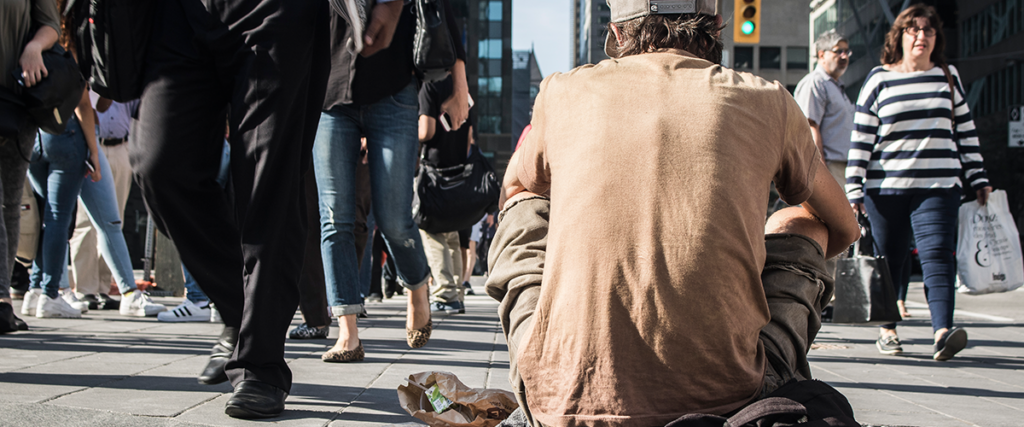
111 44
808 403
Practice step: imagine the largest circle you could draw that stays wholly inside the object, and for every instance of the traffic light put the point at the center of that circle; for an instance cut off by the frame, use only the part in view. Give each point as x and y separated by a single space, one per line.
748 21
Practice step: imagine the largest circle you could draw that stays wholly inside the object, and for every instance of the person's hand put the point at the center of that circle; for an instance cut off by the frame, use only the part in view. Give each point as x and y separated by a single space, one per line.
490 220
457 107
383 20
858 208
33 69
94 175
983 194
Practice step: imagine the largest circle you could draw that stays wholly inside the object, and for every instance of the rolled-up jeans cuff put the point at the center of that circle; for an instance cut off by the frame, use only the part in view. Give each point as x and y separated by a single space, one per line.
413 287
345 310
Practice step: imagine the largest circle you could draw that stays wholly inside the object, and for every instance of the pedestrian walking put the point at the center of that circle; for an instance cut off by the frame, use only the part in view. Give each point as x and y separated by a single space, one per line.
912 138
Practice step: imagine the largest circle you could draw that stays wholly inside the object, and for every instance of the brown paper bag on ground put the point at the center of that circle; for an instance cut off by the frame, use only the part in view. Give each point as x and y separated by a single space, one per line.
471 407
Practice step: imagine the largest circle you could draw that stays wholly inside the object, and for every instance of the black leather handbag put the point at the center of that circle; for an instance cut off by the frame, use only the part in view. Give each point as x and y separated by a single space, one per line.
52 100
864 289
433 49
455 198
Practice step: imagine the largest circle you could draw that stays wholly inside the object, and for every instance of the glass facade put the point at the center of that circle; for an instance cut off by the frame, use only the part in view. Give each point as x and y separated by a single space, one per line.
771 57
490 55
744 58
796 58
992 25
999 90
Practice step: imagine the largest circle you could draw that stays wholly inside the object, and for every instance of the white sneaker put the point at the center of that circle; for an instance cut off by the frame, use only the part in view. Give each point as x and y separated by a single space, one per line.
28 305
215 315
56 307
73 301
137 303
187 311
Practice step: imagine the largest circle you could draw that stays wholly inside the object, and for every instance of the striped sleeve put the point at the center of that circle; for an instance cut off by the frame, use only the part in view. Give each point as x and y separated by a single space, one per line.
970 148
863 139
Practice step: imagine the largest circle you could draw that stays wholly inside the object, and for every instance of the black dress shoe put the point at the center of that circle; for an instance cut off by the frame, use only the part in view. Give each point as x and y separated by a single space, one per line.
214 373
255 399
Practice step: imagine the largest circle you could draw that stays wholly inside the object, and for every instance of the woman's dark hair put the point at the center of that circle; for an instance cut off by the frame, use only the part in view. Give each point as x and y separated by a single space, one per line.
892 53
692 32
65 38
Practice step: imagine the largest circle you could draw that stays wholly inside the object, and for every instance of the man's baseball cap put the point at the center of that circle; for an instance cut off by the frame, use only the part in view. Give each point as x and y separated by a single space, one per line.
625 10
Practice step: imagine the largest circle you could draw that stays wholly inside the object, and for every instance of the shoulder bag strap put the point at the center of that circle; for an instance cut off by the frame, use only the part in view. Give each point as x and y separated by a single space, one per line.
952 100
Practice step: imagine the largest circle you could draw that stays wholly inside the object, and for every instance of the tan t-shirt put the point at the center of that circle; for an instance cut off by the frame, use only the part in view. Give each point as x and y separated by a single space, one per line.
658 167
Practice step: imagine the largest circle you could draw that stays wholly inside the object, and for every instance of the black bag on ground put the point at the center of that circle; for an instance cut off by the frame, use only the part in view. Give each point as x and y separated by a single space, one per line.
454 198
52 100
864 290
808 403
433 51
111 46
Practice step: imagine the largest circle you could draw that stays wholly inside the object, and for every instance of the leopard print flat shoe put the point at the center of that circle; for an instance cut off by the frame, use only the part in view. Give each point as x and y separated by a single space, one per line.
419 337
342 356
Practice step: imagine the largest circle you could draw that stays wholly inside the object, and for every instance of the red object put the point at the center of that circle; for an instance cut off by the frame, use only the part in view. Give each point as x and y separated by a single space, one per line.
522 137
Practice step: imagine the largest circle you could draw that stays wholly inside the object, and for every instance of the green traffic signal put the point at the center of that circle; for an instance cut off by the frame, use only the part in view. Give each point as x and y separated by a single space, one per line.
747 28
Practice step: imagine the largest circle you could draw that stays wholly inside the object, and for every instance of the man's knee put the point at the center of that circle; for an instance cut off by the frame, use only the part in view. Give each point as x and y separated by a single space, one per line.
796 220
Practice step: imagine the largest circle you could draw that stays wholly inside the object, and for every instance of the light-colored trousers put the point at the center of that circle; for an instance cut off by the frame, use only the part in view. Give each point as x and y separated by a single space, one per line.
445 261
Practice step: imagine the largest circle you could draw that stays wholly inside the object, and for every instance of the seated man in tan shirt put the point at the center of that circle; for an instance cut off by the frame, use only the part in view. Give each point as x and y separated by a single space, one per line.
638 277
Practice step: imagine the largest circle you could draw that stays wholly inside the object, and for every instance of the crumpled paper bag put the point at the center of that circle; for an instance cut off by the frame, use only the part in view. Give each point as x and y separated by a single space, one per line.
472 407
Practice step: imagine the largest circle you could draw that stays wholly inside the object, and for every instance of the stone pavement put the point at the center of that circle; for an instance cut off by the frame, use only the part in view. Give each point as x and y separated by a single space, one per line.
111 371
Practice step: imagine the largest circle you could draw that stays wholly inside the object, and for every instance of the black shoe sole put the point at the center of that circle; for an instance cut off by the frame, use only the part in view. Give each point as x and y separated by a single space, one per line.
248 414
955 342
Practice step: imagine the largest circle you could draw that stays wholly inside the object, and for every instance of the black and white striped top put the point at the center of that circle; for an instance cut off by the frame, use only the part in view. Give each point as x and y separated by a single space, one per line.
902 140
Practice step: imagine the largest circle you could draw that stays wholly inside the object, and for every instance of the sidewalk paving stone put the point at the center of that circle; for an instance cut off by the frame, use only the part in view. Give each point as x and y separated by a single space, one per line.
110 370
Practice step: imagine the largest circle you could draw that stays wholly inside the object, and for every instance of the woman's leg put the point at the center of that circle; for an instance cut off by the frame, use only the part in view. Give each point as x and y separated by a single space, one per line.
890 229
100 202
392 144
335 153
58 177
935 226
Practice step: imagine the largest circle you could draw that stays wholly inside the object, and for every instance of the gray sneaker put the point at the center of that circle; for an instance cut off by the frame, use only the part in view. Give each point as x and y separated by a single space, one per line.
889 344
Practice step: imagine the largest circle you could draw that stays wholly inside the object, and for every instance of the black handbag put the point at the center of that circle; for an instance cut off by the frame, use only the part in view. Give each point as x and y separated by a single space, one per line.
433 51
52 100
455 198
864 289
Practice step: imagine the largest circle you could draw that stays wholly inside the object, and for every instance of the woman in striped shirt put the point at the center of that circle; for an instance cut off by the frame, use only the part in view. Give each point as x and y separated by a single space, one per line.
905 164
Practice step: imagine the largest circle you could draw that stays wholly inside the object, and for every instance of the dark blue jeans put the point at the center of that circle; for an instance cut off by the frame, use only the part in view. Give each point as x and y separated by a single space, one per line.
933 216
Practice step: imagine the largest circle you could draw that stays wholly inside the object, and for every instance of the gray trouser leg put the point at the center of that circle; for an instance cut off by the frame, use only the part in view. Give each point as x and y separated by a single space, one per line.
516 265
797 287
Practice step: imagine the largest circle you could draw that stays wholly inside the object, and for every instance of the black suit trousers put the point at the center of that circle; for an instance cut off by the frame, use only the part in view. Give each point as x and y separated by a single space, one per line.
257 68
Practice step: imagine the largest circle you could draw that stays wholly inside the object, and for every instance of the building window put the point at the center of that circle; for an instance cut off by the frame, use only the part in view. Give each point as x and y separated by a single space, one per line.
489 86
744 58
992 25
490 11
490 48
771 58
796 58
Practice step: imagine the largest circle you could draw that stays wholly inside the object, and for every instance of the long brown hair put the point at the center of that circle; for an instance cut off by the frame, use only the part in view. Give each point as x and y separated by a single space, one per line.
892 53
67 32
694 33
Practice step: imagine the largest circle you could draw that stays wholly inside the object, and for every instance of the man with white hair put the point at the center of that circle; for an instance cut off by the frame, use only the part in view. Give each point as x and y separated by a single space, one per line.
822 97
695 304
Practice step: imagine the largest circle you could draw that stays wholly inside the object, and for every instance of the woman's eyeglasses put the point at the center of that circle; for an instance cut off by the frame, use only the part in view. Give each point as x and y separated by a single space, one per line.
913 31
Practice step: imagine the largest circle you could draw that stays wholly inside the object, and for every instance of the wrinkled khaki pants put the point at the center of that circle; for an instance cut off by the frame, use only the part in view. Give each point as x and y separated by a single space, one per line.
796 286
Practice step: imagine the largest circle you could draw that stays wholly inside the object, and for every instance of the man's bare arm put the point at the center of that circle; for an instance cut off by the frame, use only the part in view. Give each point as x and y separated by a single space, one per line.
818 140
828 202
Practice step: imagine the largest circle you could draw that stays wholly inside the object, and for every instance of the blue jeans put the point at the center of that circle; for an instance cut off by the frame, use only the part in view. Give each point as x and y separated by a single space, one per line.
933 216
390 127
100 202
57 173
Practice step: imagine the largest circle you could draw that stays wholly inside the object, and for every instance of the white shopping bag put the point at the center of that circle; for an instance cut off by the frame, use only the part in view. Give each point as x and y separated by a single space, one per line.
988 254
